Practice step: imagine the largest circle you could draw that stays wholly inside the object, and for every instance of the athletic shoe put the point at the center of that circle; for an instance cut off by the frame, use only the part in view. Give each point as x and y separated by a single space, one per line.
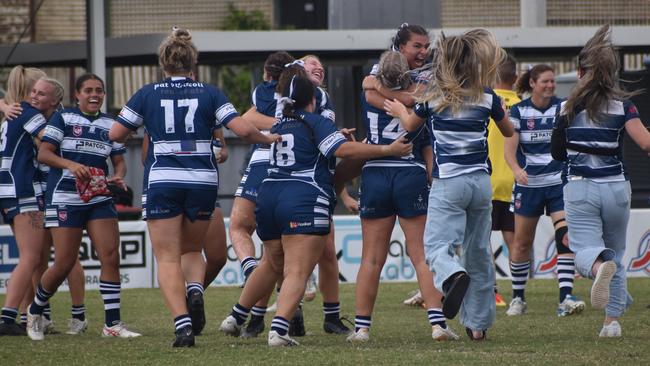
277 340
230 327
297 324
571 305
48 326
455 288
119 330
184 337
612 329
517 307
439 333
414 299
600 287
311 289
35 326
254 328
76 326
196 308
360 336
470 334
335 326
12 329
273 308
498 299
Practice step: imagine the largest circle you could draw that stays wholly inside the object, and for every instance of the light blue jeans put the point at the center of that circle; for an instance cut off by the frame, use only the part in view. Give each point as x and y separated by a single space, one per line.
597 216
460 215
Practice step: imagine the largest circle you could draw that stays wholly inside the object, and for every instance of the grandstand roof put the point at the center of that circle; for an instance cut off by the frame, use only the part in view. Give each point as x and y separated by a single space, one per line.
345 46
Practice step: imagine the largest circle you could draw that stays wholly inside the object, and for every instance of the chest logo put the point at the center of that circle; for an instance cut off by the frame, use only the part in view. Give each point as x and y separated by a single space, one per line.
77 130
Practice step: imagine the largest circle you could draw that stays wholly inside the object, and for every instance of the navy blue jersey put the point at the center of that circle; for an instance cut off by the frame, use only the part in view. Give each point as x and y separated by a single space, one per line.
83 139
382 129
265 100
460 139
534 127
605 133
19 176
306 151
324 105
179 115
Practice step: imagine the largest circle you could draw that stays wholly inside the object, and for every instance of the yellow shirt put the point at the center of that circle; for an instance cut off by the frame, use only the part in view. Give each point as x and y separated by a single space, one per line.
502 178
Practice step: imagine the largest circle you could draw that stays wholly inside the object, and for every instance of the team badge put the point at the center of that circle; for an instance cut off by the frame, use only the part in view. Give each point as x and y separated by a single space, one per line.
530 123
63 215
77 130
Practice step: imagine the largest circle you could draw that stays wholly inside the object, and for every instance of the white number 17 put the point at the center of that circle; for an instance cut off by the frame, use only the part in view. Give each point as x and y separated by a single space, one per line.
168 106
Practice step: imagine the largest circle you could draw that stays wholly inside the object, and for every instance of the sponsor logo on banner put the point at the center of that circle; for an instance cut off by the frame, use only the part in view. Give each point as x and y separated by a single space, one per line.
548 264
641 263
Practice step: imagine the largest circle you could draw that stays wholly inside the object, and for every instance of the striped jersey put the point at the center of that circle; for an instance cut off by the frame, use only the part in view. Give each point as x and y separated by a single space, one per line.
460 139
382 129
83 139
606 133
535 126
179 114
19 176
306 151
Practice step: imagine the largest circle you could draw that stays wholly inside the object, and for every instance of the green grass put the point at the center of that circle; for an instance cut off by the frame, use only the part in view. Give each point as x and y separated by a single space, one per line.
400 335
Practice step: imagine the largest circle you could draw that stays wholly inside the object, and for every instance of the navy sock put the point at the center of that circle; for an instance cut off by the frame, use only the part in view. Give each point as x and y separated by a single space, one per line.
182 321
40 300
258 312
9 315
111 295
519 273
280 325
47 311
240 313
332 310
362 321
248 264
436 317
23 318
565 275
194 286
78 312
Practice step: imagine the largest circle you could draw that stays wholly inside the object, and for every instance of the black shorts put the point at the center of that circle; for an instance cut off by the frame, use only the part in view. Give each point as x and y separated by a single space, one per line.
502 218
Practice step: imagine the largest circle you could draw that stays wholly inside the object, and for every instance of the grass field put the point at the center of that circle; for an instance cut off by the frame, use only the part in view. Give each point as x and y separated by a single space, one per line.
400 335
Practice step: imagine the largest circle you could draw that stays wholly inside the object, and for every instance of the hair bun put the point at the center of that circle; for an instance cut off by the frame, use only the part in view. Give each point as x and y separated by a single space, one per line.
181 34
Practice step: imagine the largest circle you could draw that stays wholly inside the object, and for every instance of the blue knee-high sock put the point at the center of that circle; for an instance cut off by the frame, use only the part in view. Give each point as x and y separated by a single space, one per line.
111 295
40 300
280 325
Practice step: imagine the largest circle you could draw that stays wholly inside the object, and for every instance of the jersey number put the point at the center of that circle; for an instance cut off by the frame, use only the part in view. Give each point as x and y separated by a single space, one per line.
392 131
284 155
3 135
168 106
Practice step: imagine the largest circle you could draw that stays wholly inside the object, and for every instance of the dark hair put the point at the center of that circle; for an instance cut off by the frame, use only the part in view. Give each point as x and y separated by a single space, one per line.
287 74
274 64
507 70
300 92
404 32
523 83
78 84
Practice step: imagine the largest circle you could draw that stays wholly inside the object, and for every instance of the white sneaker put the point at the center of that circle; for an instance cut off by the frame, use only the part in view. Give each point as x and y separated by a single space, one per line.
76 326
439 333
360 336
119 330
230 327
277 340
311 289
415 299
48 326
571 305
600 287
35 327
612 329
517 307
273 308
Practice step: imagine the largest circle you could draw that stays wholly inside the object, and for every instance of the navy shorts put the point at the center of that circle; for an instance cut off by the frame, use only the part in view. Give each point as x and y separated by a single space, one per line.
387 191
195 204
502 218
217 204
78 215
532 202
251 181
287 208
12 207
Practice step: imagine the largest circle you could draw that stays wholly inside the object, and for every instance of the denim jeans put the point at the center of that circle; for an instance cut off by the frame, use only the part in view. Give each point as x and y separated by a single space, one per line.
459 217
597 215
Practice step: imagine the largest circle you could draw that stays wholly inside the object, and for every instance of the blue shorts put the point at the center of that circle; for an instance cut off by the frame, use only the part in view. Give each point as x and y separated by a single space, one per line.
531 202
12 207
251 181
287 208
195 204
144 205
78 215
388 191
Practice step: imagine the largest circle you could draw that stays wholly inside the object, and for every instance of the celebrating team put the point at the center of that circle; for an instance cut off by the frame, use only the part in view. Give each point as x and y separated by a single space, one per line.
427 126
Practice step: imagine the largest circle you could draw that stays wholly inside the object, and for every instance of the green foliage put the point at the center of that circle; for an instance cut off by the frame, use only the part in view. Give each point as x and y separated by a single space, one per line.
400 335
239 19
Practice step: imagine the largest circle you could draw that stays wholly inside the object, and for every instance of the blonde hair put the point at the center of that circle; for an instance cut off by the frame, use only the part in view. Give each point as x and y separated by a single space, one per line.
177 54
393 70
462 67
305 57
599 62
20 83
58 88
